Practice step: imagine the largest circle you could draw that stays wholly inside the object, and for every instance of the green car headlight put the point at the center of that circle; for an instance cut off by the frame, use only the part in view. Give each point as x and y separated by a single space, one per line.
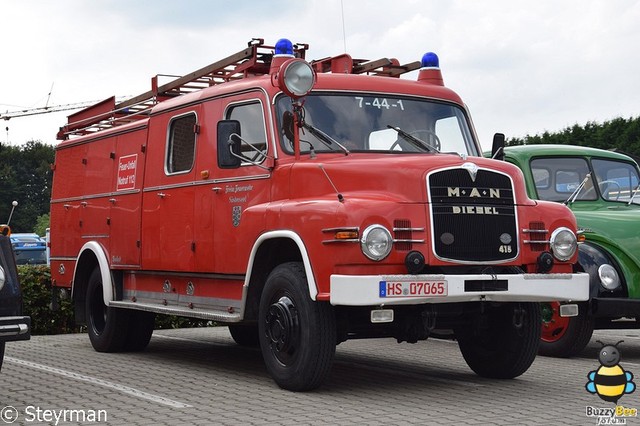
608 277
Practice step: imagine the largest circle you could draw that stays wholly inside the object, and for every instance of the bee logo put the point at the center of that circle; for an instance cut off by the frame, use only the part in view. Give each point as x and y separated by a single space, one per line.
610 381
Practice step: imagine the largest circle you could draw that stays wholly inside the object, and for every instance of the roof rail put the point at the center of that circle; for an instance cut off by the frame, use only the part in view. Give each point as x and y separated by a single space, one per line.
345 64
255 59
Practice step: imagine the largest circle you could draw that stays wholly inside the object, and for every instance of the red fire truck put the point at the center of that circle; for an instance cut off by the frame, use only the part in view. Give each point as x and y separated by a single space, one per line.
305 203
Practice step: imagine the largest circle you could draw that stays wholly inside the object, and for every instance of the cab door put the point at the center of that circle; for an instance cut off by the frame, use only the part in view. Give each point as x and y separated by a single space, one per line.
240 195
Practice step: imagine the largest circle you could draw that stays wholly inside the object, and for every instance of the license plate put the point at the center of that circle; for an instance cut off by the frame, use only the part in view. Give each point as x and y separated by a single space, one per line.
413 288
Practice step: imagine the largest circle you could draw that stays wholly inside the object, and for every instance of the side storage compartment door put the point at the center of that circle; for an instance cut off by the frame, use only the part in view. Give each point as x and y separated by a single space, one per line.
98 174
66 197
126 201
168 197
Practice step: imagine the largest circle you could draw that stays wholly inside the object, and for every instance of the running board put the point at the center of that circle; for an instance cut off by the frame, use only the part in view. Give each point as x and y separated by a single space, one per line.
218 316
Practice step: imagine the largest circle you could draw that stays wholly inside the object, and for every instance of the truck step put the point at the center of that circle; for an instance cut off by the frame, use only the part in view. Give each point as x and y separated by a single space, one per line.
207 314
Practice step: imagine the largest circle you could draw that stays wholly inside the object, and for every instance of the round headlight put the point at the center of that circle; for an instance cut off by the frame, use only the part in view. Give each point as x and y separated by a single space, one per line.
2 277
608 277
296 78
563 243
376 242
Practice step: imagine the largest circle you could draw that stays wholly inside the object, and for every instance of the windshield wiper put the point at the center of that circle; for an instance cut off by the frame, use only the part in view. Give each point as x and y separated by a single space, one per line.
575 193
418 143
324 138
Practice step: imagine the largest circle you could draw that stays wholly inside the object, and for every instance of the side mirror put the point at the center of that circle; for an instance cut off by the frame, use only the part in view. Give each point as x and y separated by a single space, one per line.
497 150
228 142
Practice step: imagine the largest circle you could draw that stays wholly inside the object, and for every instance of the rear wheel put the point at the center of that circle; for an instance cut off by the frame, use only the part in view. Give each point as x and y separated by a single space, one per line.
502 342
107 326
140 329
245 335
297 335
564 336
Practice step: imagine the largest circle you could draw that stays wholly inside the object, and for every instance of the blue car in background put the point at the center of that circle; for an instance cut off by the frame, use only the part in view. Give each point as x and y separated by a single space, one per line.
29 249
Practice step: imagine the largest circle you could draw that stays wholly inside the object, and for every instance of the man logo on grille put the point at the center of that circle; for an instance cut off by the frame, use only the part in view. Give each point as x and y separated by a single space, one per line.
472 169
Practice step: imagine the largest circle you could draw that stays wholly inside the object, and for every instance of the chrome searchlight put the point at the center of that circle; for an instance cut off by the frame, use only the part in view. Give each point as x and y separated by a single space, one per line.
296 78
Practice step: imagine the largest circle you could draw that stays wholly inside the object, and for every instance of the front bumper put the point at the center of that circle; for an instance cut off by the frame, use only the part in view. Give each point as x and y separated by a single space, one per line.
15 328
376 290
615 307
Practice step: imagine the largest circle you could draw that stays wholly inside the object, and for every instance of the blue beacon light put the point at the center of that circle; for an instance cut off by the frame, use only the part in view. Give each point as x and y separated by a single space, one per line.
430 60
430 70
284 47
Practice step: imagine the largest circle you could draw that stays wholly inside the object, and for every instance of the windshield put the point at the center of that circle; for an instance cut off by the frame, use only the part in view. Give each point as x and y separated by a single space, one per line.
30 257
558 179
357 123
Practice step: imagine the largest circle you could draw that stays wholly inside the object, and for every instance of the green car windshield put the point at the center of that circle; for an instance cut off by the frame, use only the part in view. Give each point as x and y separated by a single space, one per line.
357 122
576 179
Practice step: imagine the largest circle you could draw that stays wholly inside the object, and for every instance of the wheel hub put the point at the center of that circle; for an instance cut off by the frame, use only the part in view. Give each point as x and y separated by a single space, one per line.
282 325
553 325
547 312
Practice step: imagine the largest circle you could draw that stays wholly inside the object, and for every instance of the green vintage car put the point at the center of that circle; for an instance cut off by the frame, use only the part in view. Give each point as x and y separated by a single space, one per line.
601 188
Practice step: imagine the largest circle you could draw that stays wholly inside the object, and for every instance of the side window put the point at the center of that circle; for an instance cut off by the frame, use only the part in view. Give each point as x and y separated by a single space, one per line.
181 144
542 178
254 135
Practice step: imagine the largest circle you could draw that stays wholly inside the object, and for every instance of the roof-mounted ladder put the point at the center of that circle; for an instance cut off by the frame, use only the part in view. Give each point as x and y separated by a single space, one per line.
251 61
254 60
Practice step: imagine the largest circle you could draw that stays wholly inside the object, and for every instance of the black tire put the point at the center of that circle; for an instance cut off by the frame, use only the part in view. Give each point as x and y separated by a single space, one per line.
141 325
494 347
1 354
297 335
245 335
107 326
570 341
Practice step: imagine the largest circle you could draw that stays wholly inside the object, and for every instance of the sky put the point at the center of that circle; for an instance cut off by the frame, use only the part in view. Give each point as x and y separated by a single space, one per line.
522 67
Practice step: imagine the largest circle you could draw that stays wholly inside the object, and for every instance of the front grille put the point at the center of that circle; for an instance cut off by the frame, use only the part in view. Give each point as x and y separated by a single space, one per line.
474 220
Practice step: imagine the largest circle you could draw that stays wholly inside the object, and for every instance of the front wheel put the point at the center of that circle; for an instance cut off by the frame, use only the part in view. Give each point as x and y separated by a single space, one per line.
297 335
502 342
564 336
107 326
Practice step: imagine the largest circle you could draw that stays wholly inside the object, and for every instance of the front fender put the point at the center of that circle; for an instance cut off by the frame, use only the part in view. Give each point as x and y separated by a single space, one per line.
313 288
591 257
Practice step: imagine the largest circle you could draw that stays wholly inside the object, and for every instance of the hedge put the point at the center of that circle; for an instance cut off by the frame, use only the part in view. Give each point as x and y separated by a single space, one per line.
37 303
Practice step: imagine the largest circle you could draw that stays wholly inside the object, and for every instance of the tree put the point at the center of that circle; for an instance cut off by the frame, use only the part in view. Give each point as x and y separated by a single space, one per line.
25 177
619 134
42 223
